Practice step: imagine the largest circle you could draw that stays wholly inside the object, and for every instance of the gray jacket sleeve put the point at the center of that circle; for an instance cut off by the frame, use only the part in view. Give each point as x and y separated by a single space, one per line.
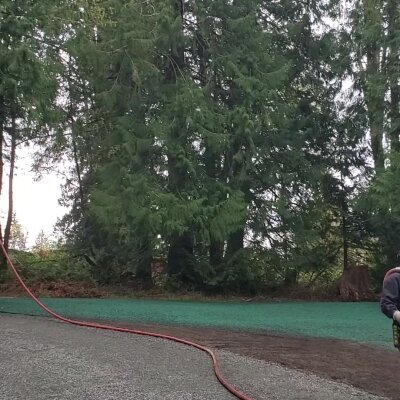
390 297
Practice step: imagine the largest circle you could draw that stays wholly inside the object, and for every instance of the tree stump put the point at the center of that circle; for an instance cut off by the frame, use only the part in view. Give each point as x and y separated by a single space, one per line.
354 284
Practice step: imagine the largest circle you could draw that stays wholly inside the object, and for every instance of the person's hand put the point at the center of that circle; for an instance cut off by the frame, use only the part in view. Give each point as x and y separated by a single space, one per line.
396 317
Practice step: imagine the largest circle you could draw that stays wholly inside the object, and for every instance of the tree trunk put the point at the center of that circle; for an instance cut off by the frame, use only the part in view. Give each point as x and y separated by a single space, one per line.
393 72
70 117
77 166
376 145
216 247
2 121
10 183
235 242
373 85
180 257
291 277
232 170
216 252
345 243
355 284
143 267
211 159
181 247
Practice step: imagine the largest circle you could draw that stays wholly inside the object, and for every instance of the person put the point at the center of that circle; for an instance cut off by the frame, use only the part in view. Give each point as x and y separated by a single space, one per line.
390 298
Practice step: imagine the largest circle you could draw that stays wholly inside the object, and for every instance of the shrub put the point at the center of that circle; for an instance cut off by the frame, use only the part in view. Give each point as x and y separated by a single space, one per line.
55 265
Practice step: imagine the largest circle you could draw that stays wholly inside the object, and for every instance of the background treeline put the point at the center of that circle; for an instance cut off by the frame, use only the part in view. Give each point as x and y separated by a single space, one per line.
242 144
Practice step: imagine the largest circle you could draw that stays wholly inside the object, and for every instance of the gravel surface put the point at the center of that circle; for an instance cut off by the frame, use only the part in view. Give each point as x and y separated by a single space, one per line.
44 359
264 380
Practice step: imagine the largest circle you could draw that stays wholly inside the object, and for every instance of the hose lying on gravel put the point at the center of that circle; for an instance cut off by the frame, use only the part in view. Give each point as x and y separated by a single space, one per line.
240 395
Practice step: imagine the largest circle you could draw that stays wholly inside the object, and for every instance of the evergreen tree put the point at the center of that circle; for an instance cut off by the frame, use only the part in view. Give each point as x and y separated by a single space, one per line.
375 38
18 236
27 83
207 131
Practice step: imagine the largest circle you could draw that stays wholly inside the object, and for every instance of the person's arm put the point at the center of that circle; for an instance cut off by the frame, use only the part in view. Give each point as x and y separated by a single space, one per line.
390 297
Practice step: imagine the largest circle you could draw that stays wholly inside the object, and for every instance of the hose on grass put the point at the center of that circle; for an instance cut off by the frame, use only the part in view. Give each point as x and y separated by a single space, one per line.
237 393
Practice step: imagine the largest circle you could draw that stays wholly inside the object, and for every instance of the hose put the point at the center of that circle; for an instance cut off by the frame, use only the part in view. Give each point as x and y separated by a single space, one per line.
237 393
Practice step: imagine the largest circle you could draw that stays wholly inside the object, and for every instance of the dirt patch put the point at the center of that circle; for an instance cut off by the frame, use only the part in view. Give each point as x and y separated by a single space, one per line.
370 368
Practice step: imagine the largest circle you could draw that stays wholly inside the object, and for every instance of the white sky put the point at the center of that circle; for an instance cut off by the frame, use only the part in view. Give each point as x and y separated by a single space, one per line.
35 202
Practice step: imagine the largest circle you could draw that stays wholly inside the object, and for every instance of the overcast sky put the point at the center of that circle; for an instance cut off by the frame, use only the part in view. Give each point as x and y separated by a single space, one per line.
35 203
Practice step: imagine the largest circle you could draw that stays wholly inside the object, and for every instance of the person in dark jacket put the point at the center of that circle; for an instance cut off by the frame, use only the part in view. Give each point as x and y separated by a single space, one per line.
390 298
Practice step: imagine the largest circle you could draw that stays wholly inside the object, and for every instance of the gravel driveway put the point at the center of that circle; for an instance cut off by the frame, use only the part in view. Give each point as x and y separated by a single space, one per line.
42 359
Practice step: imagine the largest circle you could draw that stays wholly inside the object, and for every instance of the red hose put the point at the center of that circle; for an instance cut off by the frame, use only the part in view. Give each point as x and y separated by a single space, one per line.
240 395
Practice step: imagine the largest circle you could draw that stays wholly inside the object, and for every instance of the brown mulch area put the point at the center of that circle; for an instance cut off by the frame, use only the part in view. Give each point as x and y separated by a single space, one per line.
54 289
370 368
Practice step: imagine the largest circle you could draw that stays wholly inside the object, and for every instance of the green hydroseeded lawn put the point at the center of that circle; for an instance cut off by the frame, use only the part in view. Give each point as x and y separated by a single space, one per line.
360 322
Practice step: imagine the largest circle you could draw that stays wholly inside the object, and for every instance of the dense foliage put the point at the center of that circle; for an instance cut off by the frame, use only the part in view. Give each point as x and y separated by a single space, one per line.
241 144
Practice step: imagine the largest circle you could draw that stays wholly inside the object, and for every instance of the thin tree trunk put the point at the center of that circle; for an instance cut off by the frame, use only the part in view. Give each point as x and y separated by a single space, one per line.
232 168
345 243
393 68
2 120
236 239
216 247
374 88
10 183
77 166
376 145
70 117
344 211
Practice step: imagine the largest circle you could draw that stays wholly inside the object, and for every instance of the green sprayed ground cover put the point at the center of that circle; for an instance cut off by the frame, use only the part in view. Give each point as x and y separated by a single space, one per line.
360 322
